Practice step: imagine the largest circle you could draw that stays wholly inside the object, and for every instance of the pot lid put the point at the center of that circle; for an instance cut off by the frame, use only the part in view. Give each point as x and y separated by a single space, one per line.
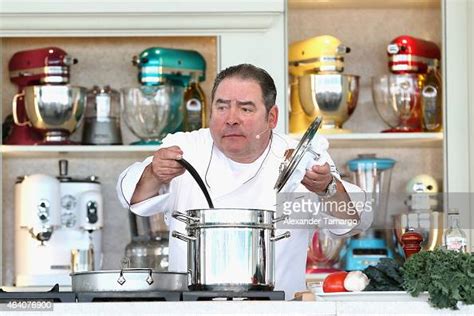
369 161
297 155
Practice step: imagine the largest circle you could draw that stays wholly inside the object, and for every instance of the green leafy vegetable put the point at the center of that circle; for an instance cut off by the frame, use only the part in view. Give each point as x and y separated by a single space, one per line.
385 276
447 276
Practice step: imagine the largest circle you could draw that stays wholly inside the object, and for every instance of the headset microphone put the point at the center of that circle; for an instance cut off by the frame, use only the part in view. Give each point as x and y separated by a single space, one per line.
258 135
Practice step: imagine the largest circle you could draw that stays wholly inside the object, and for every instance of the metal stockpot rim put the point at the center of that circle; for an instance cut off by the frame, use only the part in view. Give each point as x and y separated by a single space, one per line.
256 226
228 216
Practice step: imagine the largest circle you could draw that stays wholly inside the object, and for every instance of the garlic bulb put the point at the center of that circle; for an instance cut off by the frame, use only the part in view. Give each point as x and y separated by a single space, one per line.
356 281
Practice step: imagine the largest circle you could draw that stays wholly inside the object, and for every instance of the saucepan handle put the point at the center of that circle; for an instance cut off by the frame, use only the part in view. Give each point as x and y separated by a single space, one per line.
284 235
121 279
183 237
279 219
184 218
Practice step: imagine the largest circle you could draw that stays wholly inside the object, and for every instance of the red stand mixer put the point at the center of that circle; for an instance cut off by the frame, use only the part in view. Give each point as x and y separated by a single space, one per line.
44 99
400 97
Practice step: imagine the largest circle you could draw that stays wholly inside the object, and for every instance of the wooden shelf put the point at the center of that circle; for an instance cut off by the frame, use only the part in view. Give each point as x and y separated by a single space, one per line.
383 140
354 140
362 4
14 151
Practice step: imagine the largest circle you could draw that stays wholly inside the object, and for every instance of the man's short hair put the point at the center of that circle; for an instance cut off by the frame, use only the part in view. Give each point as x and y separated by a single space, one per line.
248 71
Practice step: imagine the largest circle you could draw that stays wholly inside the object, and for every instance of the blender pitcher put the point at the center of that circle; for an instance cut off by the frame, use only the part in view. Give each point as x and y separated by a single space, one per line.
373 176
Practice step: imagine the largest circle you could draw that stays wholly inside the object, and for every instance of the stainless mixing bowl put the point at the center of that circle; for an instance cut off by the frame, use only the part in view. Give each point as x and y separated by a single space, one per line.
334 96
55 107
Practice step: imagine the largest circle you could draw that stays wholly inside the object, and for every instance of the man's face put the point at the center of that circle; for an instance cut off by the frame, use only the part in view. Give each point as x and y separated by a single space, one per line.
238 115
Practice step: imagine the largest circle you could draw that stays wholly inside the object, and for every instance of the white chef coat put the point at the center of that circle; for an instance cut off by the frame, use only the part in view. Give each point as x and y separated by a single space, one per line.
230 184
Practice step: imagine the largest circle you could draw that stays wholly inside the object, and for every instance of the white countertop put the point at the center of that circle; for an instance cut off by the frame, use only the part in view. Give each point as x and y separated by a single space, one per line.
250 308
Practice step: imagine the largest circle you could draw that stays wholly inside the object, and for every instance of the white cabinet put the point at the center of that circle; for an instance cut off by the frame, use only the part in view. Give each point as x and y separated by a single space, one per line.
367 26
106 34
253 31
459 83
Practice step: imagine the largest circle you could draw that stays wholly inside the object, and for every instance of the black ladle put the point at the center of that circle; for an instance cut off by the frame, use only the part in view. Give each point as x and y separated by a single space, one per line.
197 178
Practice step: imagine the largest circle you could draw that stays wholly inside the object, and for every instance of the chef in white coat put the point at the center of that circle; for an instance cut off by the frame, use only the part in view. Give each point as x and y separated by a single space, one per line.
238 157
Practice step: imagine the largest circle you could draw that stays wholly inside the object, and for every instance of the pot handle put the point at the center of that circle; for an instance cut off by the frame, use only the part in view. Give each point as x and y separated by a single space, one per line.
184 218
121 279
284 235
279 219
183 237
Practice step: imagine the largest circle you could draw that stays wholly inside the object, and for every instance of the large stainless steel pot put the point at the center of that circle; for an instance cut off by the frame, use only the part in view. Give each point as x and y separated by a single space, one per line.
230 249
129 280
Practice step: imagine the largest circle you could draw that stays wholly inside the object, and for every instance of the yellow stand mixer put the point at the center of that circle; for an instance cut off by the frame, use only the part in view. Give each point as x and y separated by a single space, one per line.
317 85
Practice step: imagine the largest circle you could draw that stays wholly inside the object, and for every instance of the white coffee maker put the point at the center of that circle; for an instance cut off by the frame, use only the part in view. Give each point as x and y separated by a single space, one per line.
54 216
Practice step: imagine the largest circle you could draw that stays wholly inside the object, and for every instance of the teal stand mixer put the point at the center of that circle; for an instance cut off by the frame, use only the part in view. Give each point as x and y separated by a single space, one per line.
372 175
155 109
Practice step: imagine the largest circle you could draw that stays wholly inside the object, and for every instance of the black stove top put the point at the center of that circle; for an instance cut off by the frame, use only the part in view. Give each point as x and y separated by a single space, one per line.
54 295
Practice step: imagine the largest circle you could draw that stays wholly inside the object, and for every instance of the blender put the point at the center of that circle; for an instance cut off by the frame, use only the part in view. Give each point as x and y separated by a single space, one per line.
102 118
41 66
156 107
409 99
317 85
373 175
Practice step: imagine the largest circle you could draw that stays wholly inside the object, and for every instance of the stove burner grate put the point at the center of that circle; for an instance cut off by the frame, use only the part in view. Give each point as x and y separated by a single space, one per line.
128 296
234 296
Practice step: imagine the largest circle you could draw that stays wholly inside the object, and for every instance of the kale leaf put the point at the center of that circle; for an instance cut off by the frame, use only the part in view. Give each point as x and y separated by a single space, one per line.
447 276
385 276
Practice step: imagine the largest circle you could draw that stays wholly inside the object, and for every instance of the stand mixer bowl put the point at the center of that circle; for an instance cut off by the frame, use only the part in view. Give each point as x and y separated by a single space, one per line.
333 96
429 224
56 110
146 110
324 252
398 102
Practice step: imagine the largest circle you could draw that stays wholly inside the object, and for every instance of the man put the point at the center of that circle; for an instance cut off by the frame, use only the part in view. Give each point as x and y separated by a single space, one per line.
238 157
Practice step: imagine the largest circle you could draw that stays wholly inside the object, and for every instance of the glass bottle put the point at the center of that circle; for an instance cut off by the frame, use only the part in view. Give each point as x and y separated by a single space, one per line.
454 237
431 100
195 105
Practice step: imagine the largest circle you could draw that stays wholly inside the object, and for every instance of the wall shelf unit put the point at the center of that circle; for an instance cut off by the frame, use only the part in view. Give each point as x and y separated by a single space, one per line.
371 4
383 140
372 140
